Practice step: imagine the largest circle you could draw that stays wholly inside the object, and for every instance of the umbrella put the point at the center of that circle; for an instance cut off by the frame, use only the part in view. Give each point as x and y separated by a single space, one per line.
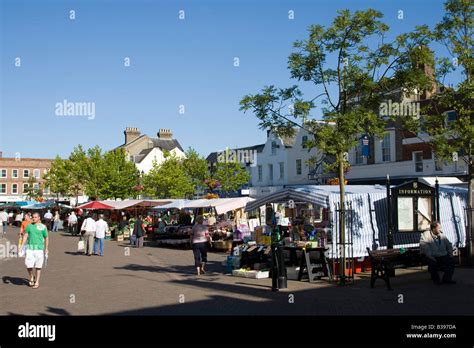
95 205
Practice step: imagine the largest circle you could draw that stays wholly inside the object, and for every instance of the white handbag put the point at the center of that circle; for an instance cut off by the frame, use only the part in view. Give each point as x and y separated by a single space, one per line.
80 245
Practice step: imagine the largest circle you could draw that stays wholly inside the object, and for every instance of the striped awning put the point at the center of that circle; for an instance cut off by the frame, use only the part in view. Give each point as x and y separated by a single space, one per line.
299 194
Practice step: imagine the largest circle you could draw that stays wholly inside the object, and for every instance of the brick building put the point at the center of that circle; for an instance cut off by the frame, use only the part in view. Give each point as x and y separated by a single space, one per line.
15 174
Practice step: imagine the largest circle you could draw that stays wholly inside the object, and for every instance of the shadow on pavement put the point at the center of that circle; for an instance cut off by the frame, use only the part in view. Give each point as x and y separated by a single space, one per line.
76 253
212 267
15 281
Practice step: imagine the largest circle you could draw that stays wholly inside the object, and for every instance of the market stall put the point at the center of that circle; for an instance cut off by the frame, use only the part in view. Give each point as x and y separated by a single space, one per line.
225 217
313 217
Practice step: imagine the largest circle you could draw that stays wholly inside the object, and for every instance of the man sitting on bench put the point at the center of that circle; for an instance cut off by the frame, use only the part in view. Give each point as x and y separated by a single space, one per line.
438 251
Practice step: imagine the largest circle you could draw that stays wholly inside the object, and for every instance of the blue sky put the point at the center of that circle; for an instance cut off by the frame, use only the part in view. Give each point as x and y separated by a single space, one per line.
174 62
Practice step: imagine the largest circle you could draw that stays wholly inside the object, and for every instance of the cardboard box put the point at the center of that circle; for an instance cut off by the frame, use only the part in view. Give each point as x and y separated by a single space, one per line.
251 274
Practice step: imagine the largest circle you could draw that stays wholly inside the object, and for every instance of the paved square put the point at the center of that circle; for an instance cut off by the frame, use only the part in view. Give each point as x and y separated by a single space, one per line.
160 281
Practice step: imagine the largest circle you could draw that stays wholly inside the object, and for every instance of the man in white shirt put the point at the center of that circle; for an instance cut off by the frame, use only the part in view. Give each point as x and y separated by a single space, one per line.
4 221
101 227
47 219
88 230
72 222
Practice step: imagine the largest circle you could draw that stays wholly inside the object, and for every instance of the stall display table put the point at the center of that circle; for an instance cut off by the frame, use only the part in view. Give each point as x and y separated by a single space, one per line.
313 270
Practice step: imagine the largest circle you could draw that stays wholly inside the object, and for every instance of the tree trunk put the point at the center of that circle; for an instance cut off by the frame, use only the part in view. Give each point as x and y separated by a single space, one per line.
342 219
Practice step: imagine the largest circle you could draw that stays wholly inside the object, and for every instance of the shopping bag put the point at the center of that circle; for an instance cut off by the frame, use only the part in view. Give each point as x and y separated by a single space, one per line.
45 261
22 251
80 245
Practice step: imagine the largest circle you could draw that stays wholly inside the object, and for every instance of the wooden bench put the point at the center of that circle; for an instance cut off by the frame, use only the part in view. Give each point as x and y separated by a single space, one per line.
384 263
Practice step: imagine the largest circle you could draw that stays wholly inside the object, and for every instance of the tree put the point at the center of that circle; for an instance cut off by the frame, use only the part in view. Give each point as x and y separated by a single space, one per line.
231 176
58 178
77 167
122 176
352 67
457 135
168 180
195 167
34 191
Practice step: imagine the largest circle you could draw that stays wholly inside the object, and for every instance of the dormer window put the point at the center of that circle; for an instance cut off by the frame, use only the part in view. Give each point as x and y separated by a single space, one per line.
304 140
274 147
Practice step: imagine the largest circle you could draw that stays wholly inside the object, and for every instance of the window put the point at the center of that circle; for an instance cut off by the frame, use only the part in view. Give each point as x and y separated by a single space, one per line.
438 163
46 191
259 173
36 173
386 148
14 189
3 173
36 186
418 158
14 173
450 117
3 189
298 167
25 188
270 172
26 173
282 170
304 141
274 147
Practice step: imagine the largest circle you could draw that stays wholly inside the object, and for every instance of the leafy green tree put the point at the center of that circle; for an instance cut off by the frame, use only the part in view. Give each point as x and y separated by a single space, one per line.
195 167
231 176
122 176
352 66
455 31
58 178
34 191
168 180
96 184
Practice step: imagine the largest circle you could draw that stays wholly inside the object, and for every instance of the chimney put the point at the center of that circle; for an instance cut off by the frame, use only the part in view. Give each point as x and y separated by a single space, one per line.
131 134
1 154
165 134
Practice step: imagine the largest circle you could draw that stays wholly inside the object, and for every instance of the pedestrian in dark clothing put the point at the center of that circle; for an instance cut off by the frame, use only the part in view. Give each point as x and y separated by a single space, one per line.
139 232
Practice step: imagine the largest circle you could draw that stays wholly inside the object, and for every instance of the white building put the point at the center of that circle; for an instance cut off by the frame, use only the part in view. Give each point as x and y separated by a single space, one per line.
144 150
286 161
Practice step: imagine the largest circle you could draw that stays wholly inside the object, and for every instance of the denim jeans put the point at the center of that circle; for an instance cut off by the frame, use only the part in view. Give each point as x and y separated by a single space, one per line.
55 226
99 244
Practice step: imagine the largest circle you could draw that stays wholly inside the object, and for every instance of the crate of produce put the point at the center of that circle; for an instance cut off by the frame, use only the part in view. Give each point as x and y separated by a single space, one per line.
250 274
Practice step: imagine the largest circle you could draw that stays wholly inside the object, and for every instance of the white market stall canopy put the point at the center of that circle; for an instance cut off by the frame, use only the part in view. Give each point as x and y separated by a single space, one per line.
130 203
222 205
316 194
369 209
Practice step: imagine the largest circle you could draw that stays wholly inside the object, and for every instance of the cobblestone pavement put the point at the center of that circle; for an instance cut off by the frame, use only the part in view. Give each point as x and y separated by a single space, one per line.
160 281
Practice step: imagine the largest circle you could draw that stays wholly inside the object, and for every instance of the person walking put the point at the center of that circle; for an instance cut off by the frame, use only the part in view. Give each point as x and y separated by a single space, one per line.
47 219
26 221
36 237
56 220
101 227
123 225
438 252
72 223
199 240
139 232
88 231
4 221
18 219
